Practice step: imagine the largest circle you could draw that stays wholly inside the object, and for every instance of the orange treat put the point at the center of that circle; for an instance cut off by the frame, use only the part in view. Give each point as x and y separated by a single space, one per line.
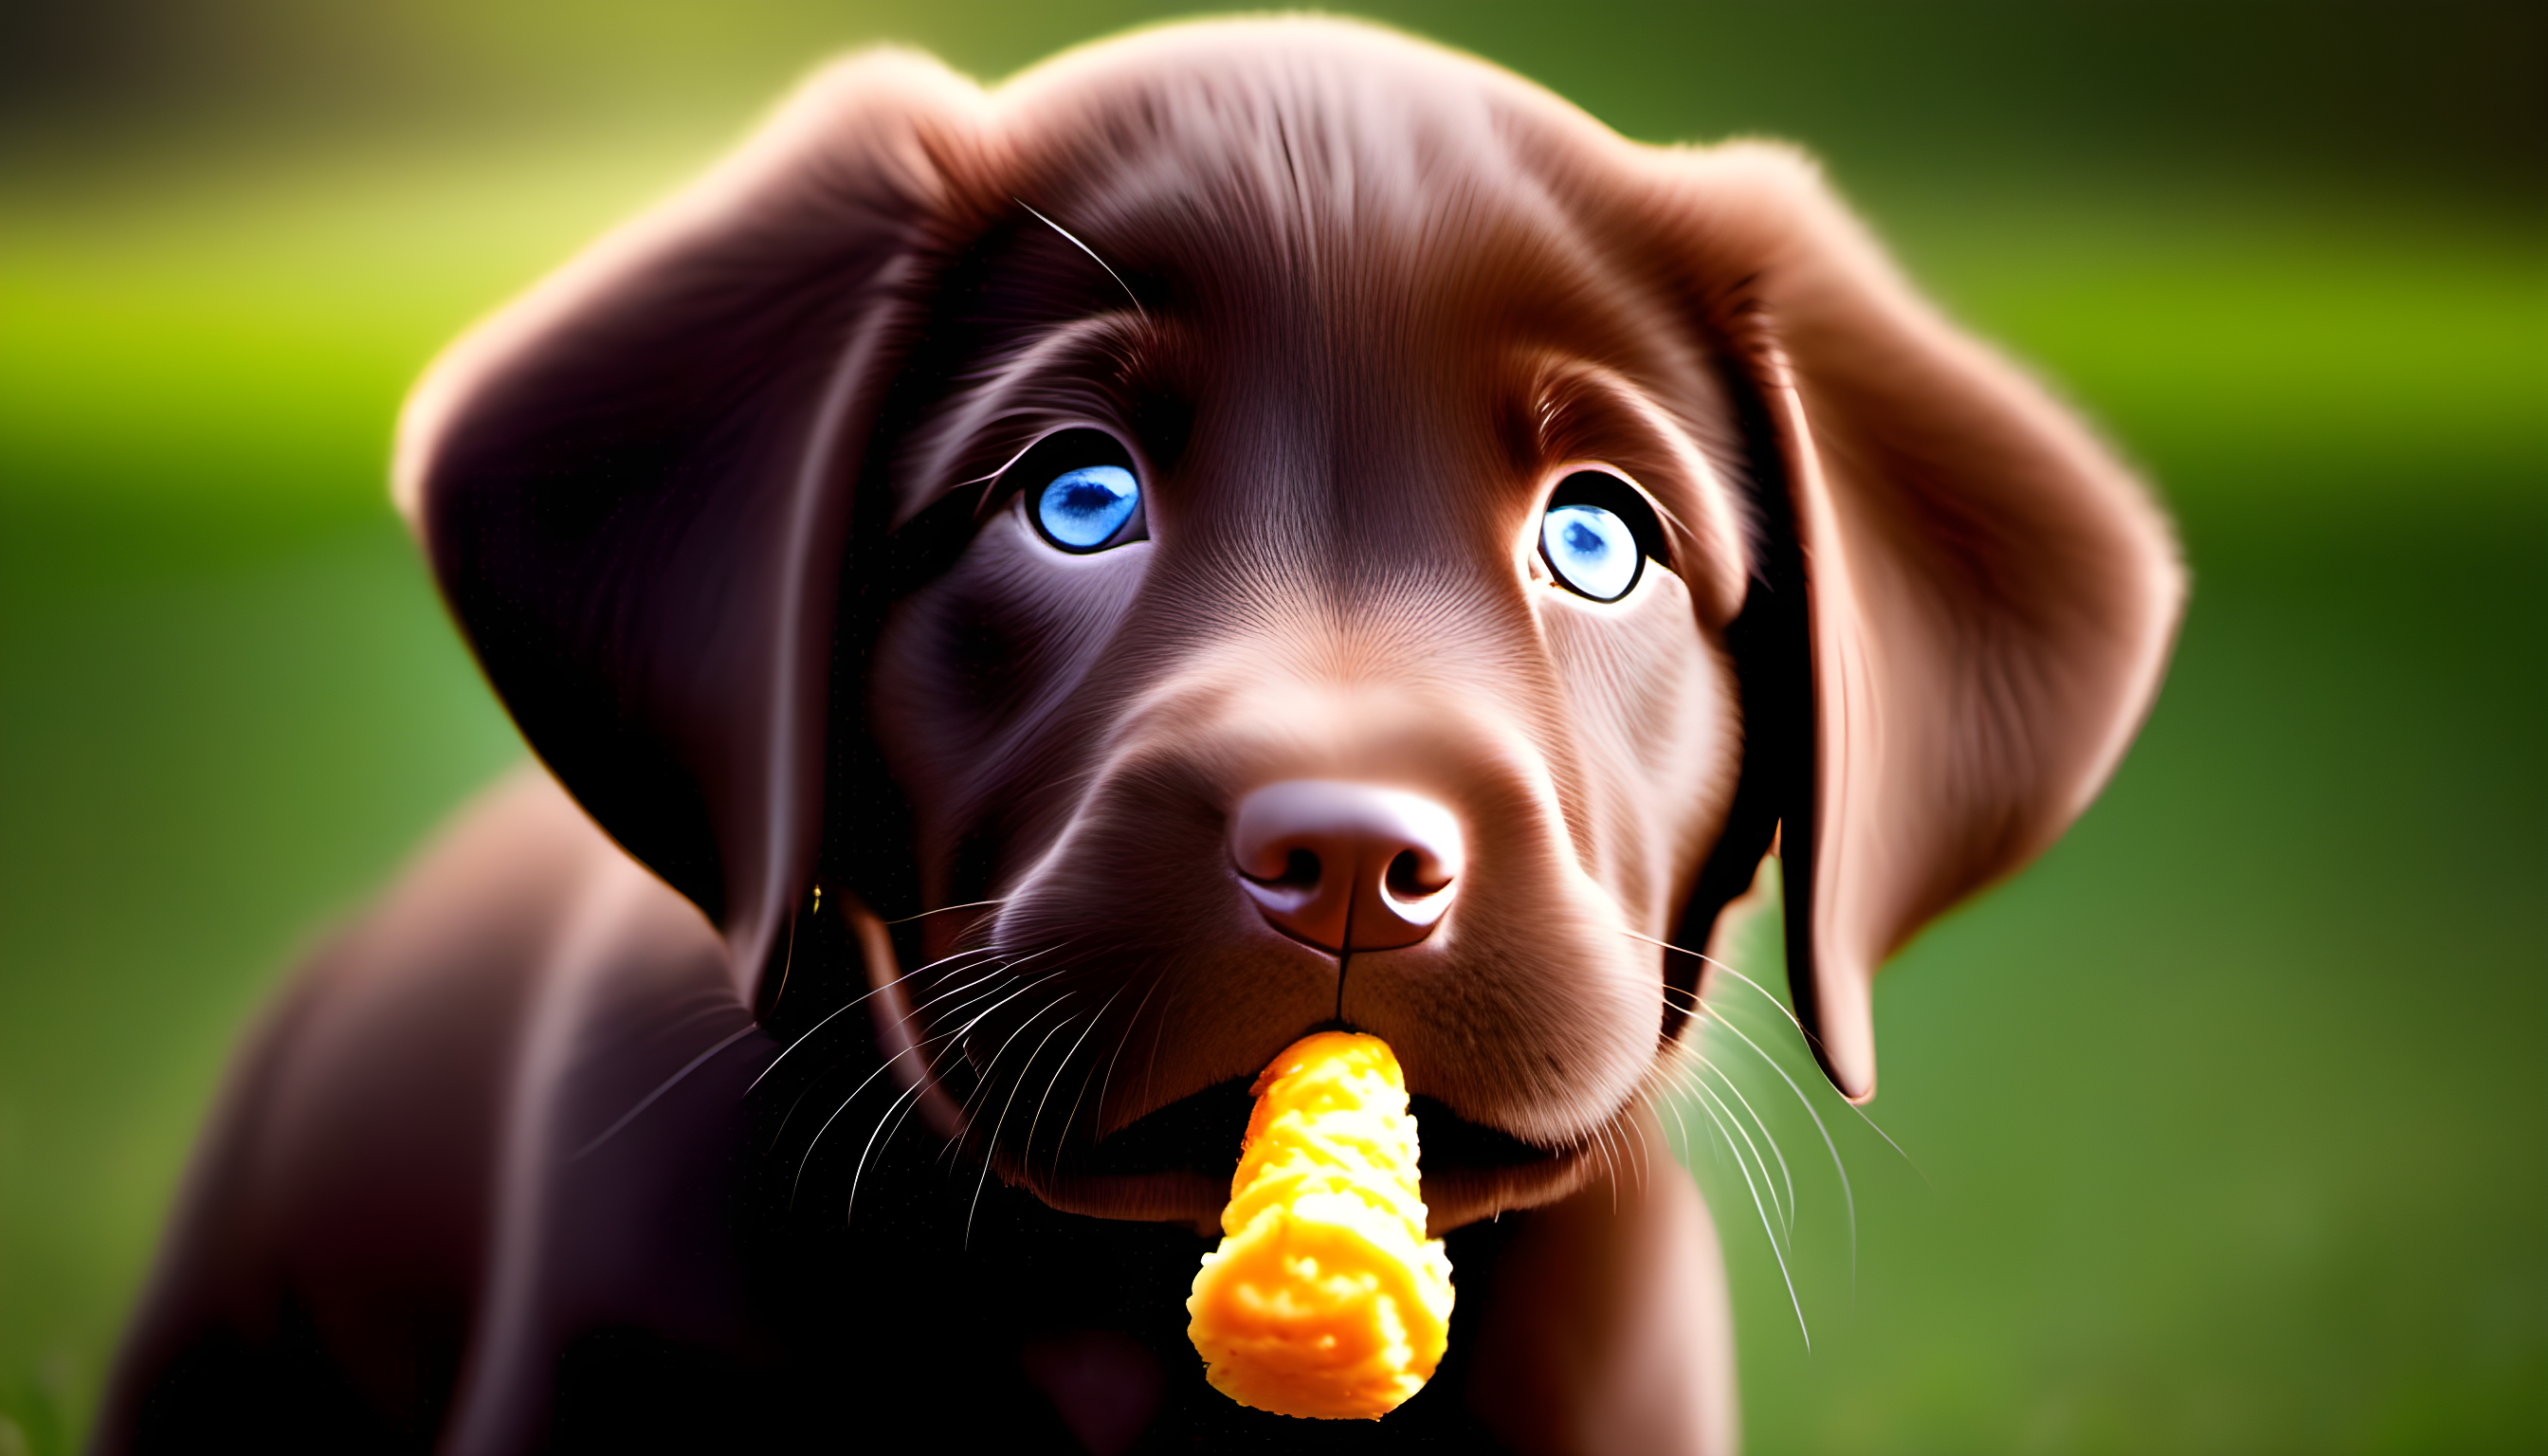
1324 1299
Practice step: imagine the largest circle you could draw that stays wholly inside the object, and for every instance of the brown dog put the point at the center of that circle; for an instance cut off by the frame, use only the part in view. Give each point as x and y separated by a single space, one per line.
1246 528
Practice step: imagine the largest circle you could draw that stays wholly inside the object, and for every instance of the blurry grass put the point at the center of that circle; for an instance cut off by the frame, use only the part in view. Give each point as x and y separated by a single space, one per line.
2227 1105
199 769
2228 1110
2309 356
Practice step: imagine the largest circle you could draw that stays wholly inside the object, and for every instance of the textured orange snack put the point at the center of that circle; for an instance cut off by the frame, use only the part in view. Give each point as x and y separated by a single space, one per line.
1324 1299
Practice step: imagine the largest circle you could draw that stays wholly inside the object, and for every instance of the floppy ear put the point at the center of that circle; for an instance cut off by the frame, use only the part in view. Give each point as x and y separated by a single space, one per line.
633 483
1989 595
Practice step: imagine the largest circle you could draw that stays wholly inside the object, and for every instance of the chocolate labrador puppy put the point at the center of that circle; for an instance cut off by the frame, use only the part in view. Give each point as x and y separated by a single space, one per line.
1029 602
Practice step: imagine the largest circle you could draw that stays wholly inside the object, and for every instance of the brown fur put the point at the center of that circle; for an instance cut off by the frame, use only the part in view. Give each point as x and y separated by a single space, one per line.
711 505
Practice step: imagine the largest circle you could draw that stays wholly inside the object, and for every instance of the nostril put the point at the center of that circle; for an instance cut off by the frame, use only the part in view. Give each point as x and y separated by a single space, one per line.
1300 868
1408 880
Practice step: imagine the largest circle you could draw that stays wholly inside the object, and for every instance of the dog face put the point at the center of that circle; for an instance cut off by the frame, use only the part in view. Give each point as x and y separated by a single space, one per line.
1308 529
1344 454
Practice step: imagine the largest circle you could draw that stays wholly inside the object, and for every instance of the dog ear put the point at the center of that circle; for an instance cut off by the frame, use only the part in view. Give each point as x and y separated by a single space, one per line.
1989 595
634 482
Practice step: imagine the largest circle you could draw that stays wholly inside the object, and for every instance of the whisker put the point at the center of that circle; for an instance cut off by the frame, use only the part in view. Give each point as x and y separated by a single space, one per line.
889 1134
957 1038
1678 1120
798 1183
1738 1130
1058 1068
809 1032
943 1000
1889 1143
920 1084
1767 1136
1689 1084
928 1068
982 1087
904 1020
1728 969
850 1211
662 1087
943 909
1800 1031
1847 1196
1645 1153
1601 1136
1005 968
1150 1078
1061 1140
779 1133
991 1144
788 964
1775 1252
1099 1111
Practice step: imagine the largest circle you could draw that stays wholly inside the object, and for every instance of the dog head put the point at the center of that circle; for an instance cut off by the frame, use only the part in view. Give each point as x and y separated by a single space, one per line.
1288 526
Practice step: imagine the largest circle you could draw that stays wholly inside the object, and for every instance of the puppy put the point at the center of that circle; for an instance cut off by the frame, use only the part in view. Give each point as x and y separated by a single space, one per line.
1028 602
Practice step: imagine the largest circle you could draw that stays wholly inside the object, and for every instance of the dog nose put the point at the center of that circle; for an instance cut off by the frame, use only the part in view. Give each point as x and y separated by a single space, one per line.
1346 867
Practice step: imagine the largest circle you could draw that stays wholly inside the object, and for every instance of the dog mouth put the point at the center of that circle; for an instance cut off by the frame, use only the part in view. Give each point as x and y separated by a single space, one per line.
1174 1165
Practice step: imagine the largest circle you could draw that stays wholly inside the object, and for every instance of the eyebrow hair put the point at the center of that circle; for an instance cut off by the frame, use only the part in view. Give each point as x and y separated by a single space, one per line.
1085 249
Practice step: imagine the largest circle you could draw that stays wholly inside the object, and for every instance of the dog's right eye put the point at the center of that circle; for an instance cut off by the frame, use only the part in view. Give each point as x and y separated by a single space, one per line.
1081 491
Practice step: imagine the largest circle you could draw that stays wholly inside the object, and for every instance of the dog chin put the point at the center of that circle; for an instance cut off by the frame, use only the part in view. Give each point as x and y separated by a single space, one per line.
1174 1165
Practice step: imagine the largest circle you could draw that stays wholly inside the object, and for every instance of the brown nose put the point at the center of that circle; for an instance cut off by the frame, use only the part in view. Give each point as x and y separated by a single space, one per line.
1346 867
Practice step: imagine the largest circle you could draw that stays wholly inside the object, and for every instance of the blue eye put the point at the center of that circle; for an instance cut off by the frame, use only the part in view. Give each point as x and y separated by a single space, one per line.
1082 509
1592 550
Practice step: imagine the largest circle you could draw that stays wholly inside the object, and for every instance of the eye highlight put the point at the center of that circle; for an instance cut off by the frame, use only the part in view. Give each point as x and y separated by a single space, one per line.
1597 534
1081 491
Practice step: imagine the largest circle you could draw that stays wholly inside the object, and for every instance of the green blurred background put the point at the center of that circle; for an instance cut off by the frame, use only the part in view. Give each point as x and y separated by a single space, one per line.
2230 1117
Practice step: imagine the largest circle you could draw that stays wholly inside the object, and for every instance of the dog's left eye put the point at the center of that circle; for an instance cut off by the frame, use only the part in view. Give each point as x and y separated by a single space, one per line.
1082 509
1080 491
1597 534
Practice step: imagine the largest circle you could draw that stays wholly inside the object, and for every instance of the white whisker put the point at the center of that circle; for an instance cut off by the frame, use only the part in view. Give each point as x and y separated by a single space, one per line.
1765 1135
1767 1228
809 1158
1098 1110
1735 1129
1057 1069
1678 1120
902 1021
662 1087
991 1144
1645 1152
927 1072
809 1032
1611 1162
1150 1078
1847 1196
850 1211
1784 1010
983 1086
943 909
